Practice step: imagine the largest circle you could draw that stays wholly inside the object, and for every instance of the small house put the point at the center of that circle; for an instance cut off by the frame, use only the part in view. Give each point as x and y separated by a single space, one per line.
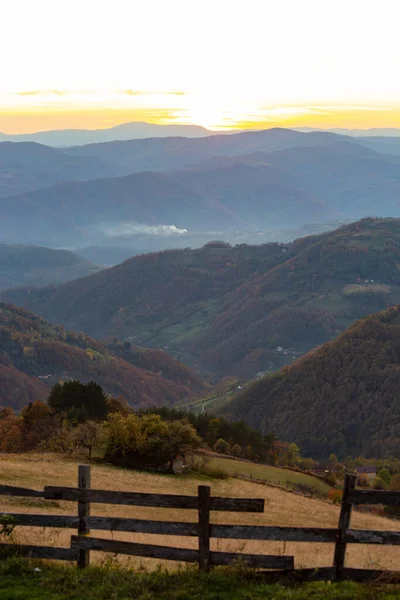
367 470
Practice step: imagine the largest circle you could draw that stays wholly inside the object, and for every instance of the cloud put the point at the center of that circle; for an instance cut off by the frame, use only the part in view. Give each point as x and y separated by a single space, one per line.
154 93
134 228
42 93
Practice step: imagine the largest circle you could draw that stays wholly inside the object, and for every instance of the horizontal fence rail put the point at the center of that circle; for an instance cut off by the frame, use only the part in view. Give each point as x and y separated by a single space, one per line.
203 503
181 554
154 500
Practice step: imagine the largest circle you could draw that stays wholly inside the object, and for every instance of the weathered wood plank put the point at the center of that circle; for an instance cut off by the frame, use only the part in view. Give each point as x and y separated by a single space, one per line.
360 536
24 519
48 552
143 526
374 497
204 492
346 573
83 513
260 532
133 549
10 490
126 498
344 522
155 500
238 504
257 561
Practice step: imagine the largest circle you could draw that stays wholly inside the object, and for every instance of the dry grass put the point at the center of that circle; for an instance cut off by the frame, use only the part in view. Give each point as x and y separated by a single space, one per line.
281 508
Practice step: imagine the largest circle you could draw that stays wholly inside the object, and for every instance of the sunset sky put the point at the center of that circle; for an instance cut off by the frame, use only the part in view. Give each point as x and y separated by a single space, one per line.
216 63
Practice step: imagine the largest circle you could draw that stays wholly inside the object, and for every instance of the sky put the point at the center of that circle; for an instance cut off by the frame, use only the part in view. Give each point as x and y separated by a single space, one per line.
216 63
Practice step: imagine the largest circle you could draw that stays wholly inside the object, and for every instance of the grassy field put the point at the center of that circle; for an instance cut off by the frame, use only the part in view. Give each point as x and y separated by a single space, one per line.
283 477
281 509
19 581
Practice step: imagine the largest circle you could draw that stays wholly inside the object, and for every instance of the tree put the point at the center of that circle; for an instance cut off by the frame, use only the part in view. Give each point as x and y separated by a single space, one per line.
395 483
79 401
147 441
222 446
88 435
38 424
236 450
385 476
333 459
294 457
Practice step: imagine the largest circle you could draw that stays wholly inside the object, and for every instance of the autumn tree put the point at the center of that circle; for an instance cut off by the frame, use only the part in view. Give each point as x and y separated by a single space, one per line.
147 441
88 435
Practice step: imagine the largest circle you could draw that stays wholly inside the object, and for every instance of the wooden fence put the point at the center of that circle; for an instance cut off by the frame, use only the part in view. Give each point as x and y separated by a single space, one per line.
203 530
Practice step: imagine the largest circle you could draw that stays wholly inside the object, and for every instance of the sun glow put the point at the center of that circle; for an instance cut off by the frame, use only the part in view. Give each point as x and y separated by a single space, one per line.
219 64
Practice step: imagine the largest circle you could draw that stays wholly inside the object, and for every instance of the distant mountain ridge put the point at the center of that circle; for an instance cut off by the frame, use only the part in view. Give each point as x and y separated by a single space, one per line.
341 398
126 131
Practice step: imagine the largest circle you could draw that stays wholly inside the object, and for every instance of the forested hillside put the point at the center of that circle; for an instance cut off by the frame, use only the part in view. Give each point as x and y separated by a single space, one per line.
235 311
35 355
34 265
342 398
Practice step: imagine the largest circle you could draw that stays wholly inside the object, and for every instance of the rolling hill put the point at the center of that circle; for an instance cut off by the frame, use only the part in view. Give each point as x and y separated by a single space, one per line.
342 397
34 265
158 154
229 310
35 355
196 199
30 166
266 181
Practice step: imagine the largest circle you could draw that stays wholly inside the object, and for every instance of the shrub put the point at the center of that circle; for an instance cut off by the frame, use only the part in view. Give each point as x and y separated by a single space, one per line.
236 450
379 484
222 446
335 496
363 480
385 476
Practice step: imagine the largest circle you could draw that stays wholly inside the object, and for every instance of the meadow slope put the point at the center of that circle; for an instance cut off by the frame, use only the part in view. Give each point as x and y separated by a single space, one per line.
281 508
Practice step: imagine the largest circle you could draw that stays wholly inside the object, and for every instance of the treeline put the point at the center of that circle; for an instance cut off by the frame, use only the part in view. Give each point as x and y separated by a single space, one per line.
80 416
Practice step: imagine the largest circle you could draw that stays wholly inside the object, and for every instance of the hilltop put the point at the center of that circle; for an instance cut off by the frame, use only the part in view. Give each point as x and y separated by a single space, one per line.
342 397
235 311
29 166
35 355
35 265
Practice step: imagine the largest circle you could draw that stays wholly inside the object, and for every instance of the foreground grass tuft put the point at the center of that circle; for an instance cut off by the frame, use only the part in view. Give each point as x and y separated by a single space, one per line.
20 581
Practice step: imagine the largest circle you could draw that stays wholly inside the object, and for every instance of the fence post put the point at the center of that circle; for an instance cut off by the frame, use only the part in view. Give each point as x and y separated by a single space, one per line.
344 522
83 511
204 527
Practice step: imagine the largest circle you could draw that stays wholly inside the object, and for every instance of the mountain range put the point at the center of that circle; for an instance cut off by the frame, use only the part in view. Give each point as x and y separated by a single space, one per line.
35 355
342 397
126 131
228 310
217 186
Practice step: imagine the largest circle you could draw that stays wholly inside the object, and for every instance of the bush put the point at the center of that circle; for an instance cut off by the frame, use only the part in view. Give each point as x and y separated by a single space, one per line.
335 496
236 450
385 476
362 481
379 484
222 446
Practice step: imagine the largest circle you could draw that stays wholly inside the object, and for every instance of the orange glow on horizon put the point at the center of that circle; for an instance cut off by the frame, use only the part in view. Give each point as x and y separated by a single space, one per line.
33 119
